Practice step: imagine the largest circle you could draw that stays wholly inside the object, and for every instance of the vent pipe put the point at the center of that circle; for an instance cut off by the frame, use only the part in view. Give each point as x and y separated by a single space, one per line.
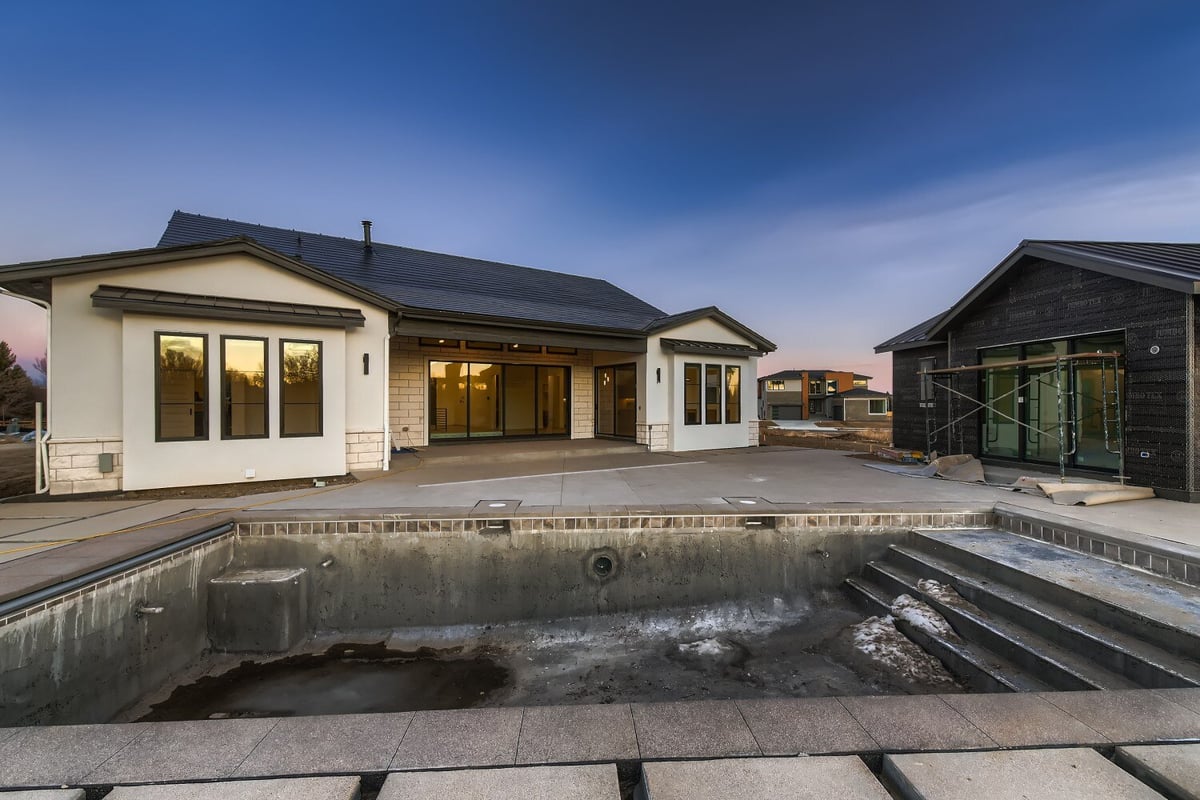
366 223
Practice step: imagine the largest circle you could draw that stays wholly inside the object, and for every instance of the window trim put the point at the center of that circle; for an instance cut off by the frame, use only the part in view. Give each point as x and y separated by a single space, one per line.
883 400
700 393
320 388
158 437
776 386
708 368
266 403
737 407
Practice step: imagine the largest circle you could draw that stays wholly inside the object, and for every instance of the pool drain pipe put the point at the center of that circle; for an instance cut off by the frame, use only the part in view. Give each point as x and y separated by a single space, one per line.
50 592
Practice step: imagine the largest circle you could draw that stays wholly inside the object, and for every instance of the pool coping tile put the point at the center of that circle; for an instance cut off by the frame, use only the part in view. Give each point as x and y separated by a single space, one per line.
577 734
692 729
60 754
1023 720
804 725
469 737
182 751
342 743
900 723
1129 716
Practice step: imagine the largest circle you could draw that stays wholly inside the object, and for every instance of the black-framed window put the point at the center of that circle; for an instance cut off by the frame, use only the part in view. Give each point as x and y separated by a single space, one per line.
712 394
485 345
300 388
561 351
180 387
691 394
243 387
733 394
775 386
428 342
925 387
877 405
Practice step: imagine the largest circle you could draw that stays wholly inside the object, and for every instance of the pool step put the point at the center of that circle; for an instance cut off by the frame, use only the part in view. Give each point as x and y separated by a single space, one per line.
1032 616
1053 665
1146 664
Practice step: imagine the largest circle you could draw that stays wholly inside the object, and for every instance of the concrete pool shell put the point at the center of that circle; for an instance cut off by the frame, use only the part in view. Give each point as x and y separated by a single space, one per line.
620 732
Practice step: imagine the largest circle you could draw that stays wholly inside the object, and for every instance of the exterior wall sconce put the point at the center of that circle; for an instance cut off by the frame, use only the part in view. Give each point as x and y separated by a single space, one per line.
366 363
658 374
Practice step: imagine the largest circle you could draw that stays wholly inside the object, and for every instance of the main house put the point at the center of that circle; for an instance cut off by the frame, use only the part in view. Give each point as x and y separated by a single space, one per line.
1079 354
234 352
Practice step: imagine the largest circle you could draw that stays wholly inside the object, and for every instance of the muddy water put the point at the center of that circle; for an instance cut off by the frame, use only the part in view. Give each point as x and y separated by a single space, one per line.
345 679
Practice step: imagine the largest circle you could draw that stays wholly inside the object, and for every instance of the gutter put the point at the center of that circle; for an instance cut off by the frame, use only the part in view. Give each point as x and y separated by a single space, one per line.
41 465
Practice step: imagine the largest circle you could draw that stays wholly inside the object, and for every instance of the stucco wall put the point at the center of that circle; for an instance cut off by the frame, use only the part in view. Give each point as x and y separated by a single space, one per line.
103 367
666 403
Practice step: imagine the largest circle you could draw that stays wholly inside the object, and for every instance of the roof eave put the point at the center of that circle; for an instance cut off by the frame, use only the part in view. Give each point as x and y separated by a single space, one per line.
433 314
764 344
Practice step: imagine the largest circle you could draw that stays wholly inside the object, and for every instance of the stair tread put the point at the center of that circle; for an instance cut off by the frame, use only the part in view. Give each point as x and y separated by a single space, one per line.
1098 631
1021 636
996 664
1152 597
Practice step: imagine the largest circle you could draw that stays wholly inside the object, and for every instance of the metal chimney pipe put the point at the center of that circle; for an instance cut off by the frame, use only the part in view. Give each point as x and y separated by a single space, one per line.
366 223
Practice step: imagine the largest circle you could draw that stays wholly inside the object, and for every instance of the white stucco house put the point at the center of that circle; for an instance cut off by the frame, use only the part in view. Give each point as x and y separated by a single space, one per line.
234 352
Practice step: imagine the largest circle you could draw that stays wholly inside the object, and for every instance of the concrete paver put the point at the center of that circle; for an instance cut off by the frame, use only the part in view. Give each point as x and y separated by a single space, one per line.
50 509
1022 720
1064 774
1129 716
346 743
44 794
1188 698
1173 769
278 789
183 751
63 754
577 734
710 729
811 725
474 737
584 782
911 722
815 778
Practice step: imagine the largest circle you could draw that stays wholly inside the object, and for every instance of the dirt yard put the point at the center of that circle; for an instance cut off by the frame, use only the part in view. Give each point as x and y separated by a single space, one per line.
16 468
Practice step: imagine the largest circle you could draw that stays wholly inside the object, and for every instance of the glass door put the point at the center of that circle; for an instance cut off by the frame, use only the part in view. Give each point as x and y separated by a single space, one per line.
1041 403
1097 388
554 409
1000 429
616 401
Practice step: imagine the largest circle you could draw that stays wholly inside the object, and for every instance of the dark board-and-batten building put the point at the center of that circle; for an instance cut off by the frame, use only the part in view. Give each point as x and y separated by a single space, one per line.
1039 328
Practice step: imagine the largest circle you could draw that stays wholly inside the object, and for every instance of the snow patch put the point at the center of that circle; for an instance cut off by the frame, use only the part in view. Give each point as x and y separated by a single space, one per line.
888 648
710 648
940 591
921 617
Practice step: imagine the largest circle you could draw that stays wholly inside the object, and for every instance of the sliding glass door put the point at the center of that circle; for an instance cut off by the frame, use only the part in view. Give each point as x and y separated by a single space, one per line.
470 400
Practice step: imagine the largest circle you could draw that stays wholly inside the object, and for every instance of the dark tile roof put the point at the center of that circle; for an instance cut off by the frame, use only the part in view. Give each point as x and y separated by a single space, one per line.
216 307
1165 259
418 279
916 336
861 392
694 347
798 374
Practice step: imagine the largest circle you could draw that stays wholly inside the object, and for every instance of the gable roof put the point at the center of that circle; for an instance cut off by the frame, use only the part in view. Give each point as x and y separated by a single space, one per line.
664 323
421 283
798 374
861 392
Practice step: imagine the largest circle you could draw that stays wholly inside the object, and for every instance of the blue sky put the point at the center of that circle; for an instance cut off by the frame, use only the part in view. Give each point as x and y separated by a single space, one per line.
829 173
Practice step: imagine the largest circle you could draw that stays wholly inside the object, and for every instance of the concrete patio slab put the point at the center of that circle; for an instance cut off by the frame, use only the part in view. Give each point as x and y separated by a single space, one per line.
50 509
584 782
1173 769
349 743
62 754
1066 774
1129 716
577 734
815 778
183 751
44 794
908 722
713 729
811 725
278 789
17 527
475 737
1022 720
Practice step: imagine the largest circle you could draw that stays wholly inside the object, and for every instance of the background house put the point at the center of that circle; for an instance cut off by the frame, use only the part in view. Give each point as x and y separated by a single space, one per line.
241 352
803 393
1032 335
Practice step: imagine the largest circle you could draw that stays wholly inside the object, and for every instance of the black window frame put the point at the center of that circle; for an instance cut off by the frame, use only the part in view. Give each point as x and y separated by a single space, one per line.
699 393
158 437
266 403
320 389
708 370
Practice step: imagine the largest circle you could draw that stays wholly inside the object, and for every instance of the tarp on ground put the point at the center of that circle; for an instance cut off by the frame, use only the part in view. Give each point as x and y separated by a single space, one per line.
955 468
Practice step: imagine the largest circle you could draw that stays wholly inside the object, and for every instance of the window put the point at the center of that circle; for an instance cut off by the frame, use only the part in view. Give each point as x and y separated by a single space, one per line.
774 386
733 394
816 387
691 394
524 348
926 387
877 406
485 345
561 351
243 388
451 343
831 387
712 394
300 388
181 384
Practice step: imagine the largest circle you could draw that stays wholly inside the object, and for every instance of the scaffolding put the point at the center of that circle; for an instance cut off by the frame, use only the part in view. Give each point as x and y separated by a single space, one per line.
1056 372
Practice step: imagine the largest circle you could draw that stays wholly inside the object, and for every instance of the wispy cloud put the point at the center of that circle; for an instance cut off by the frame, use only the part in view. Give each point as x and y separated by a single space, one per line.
828 283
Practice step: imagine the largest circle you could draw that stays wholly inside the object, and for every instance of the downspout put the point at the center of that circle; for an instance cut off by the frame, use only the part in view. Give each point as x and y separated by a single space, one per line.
41 465
387 408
